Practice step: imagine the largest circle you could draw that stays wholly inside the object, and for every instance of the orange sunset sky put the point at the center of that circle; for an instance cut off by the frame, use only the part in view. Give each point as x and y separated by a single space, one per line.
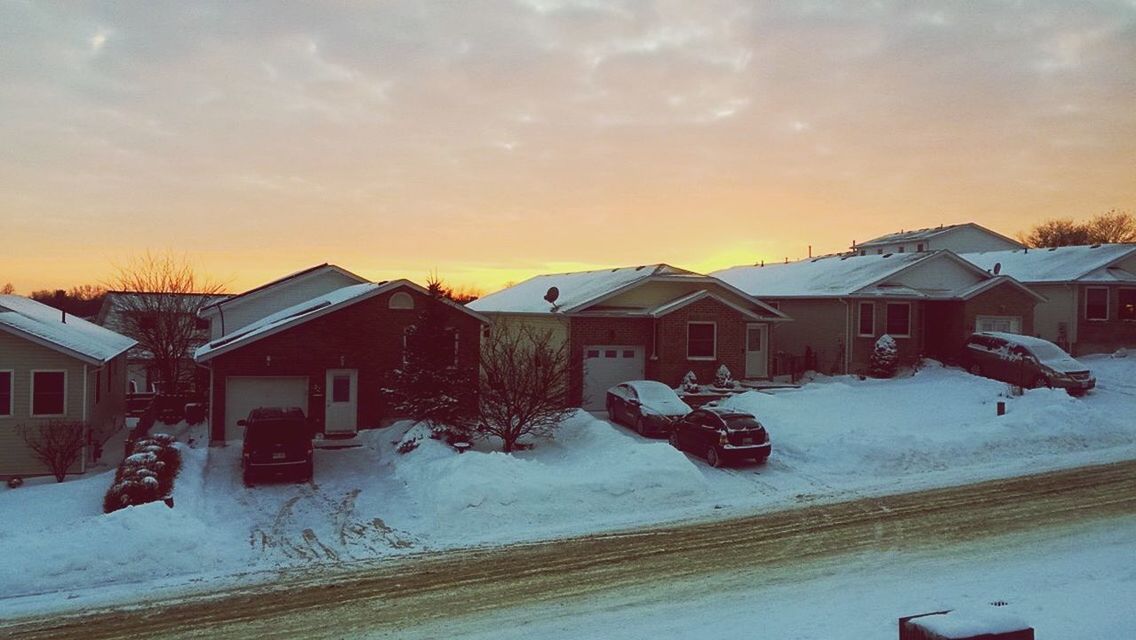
491 141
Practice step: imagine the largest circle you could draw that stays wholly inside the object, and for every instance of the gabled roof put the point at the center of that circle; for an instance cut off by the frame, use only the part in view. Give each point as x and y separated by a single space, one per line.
916 235
1057 265
843 276
288 278
575 289
306 311
679 303
44 325
825 277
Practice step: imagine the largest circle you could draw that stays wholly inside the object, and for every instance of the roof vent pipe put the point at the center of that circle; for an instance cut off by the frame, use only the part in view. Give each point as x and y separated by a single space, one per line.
60 298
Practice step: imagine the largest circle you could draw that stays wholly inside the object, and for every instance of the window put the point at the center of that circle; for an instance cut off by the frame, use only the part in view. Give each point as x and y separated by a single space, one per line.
6 393
593 353
919 247
1002 324
1126 310
341 389
1096 303
899 319
49 388
401 300
901 248
867 320
701 340
628 353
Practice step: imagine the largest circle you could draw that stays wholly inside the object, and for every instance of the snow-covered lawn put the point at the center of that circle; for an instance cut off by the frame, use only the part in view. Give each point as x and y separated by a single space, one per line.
833 439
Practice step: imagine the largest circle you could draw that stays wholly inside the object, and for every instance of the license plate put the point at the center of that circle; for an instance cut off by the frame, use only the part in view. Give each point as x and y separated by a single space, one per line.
279 456
747 440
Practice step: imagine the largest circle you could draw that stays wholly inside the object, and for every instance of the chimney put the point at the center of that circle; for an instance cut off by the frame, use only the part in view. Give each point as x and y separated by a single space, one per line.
810 250
60 298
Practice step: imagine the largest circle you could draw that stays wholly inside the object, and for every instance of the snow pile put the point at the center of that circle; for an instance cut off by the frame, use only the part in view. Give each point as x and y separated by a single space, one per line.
589 473
56 536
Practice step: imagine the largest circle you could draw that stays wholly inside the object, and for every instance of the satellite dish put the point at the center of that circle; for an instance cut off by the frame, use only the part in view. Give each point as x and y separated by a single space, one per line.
997 268
552 295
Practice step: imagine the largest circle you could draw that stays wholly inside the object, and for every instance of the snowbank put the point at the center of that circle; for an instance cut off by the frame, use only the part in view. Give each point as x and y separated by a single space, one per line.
589 473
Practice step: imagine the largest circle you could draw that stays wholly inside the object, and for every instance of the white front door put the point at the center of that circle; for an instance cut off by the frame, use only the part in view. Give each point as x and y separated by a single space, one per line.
606 366
341 409
757 351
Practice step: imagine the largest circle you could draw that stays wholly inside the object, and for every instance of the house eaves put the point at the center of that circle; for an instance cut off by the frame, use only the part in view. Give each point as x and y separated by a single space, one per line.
678 303
255 292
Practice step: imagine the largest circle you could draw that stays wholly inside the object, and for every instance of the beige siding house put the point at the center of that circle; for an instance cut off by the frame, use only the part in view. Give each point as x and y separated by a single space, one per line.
1089 291
55 367
929 302
960 238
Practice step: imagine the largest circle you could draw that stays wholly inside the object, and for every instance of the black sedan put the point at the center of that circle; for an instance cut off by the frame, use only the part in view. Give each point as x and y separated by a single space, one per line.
722 436
648 406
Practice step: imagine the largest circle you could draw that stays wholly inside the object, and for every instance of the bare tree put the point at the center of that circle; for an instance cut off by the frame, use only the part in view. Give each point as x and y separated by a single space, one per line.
57 444
162 294
7 289
1114 226
524 383
1055 233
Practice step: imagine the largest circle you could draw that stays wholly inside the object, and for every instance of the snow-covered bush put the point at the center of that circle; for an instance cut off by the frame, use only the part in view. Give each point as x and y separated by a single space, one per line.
690 382
723 379
885 358
146 475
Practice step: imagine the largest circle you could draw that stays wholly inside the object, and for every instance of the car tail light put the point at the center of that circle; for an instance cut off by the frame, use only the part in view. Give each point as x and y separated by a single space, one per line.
722 439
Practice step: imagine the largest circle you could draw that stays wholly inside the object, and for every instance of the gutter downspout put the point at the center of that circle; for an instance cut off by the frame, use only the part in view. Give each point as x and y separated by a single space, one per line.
86 385
847 336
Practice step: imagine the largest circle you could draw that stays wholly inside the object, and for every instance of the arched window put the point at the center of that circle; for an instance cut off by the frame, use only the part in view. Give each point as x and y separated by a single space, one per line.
401 300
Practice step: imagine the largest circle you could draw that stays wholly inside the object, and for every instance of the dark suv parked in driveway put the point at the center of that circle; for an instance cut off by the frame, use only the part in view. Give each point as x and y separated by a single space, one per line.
278 443
722 436
1025 361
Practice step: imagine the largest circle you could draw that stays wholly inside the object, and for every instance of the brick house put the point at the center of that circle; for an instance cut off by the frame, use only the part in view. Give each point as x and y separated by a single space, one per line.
1089 291
929 302
655 322
56 367
330 355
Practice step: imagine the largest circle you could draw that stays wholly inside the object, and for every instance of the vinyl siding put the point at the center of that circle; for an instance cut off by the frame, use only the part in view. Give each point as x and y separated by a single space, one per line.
22 357
242 312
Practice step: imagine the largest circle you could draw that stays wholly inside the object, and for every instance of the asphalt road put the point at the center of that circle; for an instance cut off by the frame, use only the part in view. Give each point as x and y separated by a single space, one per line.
405 593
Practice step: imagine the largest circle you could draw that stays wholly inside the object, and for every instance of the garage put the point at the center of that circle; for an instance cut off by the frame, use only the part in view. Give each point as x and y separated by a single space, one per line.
606 366
245 393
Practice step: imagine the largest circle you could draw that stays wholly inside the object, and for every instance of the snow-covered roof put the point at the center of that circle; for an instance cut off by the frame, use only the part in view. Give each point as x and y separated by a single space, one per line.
829 276
309 310
45 325
574 289
1060 264
916 235
210 308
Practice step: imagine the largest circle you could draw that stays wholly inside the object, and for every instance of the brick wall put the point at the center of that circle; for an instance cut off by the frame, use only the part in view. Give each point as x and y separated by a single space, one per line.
731 333
366 336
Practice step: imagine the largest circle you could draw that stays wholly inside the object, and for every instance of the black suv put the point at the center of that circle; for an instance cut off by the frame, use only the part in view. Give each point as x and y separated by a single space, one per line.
722 436
278 442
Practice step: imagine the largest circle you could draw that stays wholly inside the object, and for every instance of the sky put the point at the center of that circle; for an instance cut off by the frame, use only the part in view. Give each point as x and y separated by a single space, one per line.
490 141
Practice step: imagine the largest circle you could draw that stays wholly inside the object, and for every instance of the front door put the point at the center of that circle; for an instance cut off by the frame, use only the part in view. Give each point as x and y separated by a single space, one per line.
342 404
757 351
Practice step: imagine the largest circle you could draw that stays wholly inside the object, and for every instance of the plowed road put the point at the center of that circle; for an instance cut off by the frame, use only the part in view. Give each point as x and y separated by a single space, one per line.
400 594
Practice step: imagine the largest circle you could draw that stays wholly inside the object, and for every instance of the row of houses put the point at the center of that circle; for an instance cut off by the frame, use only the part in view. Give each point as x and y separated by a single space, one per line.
325 339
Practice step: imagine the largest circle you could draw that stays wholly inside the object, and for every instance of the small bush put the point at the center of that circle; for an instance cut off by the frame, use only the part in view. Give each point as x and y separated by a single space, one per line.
885 358
146 475
723 379
690 382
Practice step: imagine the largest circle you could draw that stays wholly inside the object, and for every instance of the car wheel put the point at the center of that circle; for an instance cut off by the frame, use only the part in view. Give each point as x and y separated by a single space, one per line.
640 427
713 458
673 439
976 369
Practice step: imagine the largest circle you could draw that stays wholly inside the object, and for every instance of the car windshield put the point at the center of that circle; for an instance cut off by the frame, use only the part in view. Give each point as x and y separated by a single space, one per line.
273 431
1048 352
654 392
741 422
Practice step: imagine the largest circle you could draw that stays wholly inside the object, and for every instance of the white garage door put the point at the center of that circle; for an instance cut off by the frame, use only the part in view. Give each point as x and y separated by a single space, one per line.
243 394
606 366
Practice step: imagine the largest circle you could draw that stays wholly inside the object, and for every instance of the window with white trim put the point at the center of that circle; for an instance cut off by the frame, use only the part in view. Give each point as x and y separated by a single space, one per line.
6 382
899 319
401 300
49 393
701 340
1096 303
866 326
